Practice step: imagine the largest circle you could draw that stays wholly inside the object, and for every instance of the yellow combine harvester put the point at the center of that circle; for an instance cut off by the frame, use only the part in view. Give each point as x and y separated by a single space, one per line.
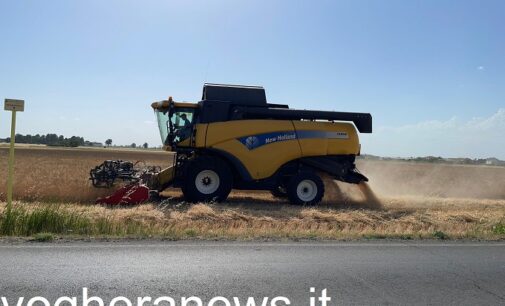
234 139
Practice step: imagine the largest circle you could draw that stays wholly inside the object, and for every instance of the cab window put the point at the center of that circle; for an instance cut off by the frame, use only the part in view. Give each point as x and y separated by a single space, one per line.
182 121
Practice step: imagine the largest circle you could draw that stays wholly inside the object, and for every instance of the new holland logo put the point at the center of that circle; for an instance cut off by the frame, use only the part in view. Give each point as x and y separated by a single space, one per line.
251 142
255 141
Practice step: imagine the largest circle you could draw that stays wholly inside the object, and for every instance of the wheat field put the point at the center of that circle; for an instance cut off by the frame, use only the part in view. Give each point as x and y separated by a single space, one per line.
61 175
407 201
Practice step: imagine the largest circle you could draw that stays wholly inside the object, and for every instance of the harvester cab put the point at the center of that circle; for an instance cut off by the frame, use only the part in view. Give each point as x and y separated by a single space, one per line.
175 122
234 139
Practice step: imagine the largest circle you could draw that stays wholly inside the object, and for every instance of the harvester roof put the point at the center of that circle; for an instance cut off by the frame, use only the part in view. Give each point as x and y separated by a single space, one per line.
236 94
222 102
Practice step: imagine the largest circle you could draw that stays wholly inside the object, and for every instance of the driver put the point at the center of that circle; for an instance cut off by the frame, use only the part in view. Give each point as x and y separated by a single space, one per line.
187 123
184 131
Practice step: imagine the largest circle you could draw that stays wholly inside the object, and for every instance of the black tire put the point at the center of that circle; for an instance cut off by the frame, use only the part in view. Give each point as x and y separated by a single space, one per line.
207 179
279 192
305 188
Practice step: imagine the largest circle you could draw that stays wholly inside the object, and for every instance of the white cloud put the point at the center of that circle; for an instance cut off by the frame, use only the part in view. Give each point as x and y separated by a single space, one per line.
480 68
425 125
496 121
476 138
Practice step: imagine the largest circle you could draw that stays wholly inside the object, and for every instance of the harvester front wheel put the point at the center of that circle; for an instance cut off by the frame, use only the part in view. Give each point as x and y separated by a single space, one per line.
207 179
305 188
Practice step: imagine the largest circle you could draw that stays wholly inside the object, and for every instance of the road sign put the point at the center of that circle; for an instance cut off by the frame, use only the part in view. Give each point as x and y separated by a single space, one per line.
14 105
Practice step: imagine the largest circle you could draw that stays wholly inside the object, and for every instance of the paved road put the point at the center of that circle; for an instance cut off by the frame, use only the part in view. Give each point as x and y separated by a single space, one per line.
354 273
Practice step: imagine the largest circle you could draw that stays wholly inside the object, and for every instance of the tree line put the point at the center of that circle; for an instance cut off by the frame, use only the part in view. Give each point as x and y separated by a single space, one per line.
62 141
51 140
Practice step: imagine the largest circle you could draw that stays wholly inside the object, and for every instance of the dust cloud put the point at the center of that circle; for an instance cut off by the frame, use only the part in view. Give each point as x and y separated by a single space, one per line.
390 179
399 183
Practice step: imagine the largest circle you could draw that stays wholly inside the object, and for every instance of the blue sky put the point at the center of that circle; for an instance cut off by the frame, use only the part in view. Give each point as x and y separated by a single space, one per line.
432 73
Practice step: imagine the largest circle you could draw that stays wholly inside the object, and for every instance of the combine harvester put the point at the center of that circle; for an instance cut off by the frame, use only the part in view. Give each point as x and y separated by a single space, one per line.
234 139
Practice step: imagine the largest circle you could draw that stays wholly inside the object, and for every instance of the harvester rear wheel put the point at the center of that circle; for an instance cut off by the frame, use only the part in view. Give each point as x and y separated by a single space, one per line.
305 188
207 179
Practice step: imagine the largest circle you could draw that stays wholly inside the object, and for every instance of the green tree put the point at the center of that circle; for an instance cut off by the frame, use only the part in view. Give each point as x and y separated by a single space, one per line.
145 145
73 141
52 140
108 142
133 145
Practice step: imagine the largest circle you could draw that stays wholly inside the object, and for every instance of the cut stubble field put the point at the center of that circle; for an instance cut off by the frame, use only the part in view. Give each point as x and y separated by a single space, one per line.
53 195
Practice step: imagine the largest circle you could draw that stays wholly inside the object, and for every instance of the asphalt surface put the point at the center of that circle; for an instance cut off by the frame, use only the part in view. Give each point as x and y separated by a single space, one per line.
353 273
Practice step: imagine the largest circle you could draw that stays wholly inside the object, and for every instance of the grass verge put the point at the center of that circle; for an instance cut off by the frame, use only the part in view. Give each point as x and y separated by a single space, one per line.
246 218
43 237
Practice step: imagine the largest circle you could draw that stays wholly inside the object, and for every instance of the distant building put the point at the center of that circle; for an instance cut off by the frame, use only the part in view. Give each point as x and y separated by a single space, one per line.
494 162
